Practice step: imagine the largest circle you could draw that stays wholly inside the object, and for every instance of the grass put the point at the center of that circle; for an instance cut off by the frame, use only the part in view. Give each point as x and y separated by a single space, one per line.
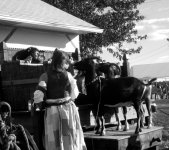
161 118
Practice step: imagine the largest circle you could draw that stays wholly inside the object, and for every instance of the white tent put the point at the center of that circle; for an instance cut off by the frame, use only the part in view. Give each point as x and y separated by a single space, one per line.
25 23
158 70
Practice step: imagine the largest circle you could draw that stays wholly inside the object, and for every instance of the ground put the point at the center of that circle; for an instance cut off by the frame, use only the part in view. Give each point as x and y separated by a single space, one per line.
161 118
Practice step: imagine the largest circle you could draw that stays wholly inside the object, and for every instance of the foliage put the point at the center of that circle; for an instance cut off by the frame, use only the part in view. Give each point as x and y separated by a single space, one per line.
118 18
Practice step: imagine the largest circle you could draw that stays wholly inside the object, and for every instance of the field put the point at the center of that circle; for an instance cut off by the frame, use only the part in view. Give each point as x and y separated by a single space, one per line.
161 118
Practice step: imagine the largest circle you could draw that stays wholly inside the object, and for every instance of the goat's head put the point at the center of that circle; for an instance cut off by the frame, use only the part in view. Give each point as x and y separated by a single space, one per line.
109 69
86 64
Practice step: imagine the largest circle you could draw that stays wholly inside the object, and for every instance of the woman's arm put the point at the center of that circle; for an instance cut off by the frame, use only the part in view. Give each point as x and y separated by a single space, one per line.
57 101
74 89
40 92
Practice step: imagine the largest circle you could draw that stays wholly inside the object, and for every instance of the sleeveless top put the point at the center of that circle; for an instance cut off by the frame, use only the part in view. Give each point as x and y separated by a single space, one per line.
58 85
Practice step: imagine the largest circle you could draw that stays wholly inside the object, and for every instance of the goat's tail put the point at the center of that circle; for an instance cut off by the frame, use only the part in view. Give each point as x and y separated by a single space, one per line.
151 81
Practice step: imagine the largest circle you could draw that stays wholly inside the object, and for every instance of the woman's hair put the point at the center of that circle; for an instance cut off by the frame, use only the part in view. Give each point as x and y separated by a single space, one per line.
58 60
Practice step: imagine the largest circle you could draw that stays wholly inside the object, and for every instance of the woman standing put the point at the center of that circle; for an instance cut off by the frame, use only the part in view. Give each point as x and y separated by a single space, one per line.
57 89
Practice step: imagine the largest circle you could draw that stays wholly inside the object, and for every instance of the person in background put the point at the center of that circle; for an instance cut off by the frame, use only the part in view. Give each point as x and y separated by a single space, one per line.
8 140
29 55
57 90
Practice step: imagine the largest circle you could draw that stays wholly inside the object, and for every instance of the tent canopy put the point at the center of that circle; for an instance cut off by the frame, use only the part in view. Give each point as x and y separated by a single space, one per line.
40 15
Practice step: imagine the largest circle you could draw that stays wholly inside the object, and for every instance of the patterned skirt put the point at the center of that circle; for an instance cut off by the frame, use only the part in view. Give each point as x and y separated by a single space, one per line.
63 129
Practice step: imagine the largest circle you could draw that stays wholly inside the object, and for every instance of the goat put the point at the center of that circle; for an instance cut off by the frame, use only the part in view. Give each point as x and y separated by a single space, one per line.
82 97
115 92
112 70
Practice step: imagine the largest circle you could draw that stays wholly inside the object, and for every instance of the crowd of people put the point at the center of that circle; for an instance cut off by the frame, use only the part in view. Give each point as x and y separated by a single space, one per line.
160 90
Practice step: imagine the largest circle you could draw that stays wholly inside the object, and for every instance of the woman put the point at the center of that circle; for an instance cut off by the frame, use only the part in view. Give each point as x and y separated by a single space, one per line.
57 89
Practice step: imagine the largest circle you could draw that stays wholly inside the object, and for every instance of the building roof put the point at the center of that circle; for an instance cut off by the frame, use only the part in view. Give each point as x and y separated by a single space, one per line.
159 70
40 15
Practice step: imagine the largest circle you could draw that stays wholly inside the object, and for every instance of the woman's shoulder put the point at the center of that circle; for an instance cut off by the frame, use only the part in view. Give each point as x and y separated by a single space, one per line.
69 75
43 77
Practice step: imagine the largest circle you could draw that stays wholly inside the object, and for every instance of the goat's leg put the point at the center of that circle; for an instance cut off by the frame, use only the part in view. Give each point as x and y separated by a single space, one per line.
142 121
126 126
98 125
101 117
116 110
151 95
148 105
103 130
137 107
97 119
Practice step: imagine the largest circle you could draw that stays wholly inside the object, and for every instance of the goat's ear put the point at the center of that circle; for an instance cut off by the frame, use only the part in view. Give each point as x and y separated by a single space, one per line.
153 79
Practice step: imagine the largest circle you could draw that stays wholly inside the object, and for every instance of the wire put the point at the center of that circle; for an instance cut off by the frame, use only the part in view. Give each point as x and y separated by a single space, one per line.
163 112
154 52
152 1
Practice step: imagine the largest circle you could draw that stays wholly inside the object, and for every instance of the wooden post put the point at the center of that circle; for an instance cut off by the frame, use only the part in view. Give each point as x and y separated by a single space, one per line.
1 52
76 55
125 67
1 60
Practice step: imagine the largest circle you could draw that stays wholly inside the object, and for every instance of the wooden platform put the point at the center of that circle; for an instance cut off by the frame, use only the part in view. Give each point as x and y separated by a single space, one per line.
124 140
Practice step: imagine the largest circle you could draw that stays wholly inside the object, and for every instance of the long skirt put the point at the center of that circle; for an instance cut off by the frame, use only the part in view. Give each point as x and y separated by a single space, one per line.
63 129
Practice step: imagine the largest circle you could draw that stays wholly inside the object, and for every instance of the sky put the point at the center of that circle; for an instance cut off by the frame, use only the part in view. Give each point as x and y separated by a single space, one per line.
156 26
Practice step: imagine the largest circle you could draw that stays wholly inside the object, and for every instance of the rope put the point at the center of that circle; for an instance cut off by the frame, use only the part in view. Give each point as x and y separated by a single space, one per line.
98 106
98 77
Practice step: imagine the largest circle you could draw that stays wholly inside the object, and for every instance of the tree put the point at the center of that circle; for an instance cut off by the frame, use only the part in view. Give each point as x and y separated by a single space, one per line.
118 18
